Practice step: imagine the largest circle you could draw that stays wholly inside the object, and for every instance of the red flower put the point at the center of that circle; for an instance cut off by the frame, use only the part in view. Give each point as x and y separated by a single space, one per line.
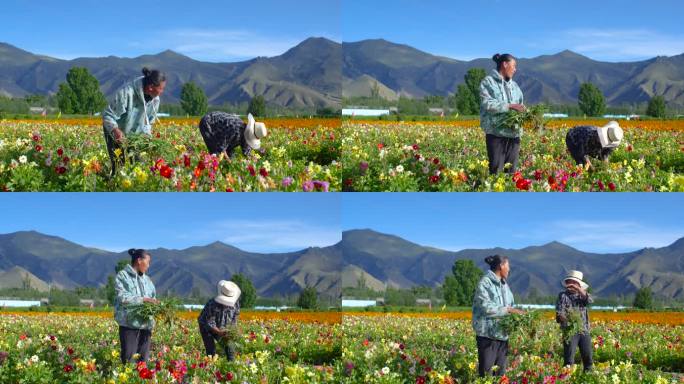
229 190
186 161
229 376
538 175
68 368
70 351
629 148
36 137
381 145
65 159
420 380
517 176
166 171
263 172
504 380
60 170
434 179
197 172
146 374
523 184
60 152
158 135
251 170
601 186
611 186
435 161
415 147
38 148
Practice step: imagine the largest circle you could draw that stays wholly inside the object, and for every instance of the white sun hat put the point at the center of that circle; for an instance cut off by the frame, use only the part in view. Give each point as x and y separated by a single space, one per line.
228 293
575 276
254 132
610 134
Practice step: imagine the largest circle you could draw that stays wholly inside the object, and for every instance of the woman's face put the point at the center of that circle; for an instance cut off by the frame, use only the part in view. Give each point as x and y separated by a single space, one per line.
143 264
505 269
572 285
508 68
155 90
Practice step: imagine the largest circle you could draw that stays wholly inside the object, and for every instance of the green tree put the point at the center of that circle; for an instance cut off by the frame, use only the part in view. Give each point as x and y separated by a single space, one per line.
249 294
308 298
591 100
643 298
460 285
257 106
656 107
375 91
193 99
467 96
81 93
109 290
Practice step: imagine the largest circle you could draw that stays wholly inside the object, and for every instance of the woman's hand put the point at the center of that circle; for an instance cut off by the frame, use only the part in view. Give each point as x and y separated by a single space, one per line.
517 107
118 135
150 300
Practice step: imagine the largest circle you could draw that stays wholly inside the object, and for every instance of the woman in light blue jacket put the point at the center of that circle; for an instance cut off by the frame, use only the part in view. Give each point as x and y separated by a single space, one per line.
493 300
132 112
499 94
134 287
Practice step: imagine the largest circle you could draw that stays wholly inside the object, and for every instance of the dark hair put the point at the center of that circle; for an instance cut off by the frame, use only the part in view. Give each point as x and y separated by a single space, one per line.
137 254
153 77
500 59
495 261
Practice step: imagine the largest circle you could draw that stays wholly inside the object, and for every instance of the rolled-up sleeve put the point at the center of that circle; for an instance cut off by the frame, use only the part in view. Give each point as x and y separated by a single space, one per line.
115 110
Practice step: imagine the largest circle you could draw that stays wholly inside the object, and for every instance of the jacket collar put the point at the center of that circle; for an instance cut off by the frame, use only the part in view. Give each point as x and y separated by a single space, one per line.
129 269
493 277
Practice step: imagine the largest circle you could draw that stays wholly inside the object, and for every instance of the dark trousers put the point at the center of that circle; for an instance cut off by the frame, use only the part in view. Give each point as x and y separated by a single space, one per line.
583 340
112 145
502 150
491 352
210 345
134 341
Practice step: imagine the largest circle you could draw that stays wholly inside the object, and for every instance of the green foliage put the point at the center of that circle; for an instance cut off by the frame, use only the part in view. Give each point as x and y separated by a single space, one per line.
81 93
165 311
533 116
656 107
643 298
193 100
257 106
591 100
460 285
249 294
526 324
574 324
308 298
467 97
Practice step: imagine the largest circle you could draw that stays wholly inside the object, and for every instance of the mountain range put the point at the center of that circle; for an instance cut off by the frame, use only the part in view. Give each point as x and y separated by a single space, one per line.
308 75
403 70
319 72
387 260
383 260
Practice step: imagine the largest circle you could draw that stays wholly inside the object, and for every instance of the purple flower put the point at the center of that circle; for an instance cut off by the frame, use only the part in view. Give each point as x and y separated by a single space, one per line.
3 356
348 368
321 185
286 182
363 166
308 186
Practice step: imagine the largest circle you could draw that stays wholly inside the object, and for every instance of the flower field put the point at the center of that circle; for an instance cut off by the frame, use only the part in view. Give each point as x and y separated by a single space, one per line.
452 156
84 349
413 349
71 155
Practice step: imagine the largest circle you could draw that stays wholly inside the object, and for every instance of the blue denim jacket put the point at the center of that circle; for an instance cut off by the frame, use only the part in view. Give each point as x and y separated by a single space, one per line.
489 305
130 289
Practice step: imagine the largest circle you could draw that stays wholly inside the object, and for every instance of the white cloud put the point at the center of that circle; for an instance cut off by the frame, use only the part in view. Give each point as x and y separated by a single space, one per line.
268 235
618 44
605 235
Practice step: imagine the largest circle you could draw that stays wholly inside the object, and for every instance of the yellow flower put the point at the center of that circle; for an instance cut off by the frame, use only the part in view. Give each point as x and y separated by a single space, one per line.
126 183
117 152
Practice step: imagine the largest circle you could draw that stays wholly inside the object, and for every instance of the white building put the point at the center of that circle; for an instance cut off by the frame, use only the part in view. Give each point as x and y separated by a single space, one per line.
19 303
364 112
353 303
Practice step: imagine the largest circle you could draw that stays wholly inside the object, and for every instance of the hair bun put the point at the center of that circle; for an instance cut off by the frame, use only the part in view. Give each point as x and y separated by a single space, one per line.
146 71
131 251
489 260
496 58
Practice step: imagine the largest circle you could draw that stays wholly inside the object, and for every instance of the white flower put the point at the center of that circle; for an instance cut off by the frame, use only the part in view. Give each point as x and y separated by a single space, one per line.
35 358
400 168
22 159
385 370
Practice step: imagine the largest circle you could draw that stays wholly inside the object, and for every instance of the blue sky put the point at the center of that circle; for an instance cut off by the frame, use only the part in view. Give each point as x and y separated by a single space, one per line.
610 30
259 222
209 30
609 222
